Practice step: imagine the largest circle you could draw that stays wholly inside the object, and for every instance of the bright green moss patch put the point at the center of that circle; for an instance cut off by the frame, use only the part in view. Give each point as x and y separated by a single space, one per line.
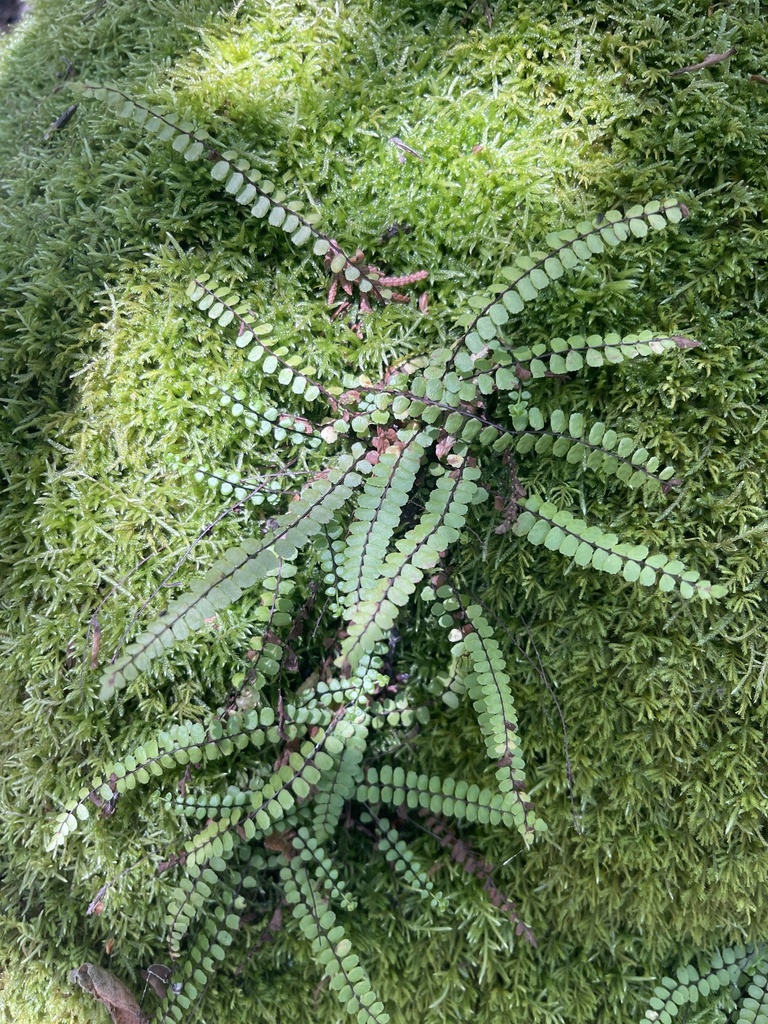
112 385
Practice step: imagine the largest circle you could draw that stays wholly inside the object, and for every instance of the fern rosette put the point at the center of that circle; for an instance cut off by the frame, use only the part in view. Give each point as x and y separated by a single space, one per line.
385 496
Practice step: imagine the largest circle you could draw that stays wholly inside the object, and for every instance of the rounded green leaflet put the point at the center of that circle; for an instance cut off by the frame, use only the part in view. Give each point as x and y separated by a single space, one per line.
486 328
613 563
247 194
632 571
261 208
220 170
581 251
625 448
553 268
554 538
506 379
512 301
167 132
235 183
569 258
595 244
638 227
302 235
594 357
557 420
584 553
526 289
464 362
194 152
538 278
539 531
535 418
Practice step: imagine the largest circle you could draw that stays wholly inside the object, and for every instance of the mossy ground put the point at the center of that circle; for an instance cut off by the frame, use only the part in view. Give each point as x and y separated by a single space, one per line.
106 399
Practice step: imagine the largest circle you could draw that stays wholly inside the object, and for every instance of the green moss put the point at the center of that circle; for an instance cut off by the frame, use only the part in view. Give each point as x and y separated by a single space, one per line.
107 412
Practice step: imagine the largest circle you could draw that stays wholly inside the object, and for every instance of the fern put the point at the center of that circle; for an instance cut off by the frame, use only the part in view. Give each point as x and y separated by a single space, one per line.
397 468
730 985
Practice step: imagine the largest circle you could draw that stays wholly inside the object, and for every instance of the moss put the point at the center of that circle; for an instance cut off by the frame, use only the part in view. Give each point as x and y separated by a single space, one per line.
107 412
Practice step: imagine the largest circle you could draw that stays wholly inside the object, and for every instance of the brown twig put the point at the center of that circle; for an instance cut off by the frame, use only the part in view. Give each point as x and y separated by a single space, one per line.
709 61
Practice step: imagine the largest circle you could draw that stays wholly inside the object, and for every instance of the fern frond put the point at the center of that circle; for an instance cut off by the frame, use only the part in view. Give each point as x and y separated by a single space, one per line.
404 862
570 248
418 551
733 980
224 306
248 490
332 949
204 805
560 356
451 797
309 848
487 683
266 419
377 513
239 569
336 787
191 896
602 450
567 355
239 180
329 547
208 950
541 522
191 742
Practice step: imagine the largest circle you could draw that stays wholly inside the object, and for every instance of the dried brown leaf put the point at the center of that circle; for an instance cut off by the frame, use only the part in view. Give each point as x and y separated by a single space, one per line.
112 993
